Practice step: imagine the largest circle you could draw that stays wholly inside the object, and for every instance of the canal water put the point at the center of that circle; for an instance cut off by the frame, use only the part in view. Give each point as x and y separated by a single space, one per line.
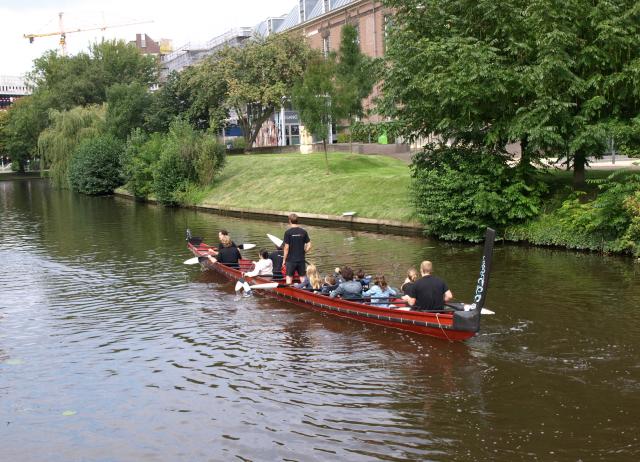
112 350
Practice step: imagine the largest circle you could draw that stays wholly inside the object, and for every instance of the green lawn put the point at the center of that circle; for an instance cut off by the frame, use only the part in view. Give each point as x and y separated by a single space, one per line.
372 186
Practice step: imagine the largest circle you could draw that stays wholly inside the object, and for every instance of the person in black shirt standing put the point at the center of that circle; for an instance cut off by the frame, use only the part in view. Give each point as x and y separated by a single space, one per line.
429 293
296 245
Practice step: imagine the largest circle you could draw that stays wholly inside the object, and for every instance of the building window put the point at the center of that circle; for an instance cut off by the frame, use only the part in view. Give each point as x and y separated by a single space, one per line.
143 41
327 6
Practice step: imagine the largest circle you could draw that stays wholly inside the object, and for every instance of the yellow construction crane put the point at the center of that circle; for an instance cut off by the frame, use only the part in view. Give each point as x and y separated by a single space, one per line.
63 33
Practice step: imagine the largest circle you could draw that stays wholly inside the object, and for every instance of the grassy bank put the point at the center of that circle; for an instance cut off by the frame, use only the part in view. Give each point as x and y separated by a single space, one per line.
372 186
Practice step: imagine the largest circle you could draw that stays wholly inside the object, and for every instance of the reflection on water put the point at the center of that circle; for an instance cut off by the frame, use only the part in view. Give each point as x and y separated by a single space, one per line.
111 349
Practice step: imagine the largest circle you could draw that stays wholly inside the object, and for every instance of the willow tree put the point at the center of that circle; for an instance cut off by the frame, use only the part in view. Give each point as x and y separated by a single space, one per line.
67 129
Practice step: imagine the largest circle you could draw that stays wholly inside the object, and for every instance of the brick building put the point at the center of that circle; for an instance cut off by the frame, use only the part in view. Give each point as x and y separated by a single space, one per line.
321 22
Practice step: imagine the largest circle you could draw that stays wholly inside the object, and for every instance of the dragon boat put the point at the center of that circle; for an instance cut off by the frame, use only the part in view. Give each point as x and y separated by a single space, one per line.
459 321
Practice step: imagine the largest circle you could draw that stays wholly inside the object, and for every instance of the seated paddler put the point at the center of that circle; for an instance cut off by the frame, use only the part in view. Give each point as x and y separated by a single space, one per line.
429 293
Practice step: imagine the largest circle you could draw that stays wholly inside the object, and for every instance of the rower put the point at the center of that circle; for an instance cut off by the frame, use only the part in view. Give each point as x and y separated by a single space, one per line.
227 253
429 293
222 234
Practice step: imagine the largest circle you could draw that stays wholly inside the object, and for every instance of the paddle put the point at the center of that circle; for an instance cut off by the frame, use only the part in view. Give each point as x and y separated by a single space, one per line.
196 260
276 241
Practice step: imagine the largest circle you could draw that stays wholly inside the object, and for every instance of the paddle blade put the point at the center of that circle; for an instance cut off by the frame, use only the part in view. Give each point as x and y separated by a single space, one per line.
275 240
238 286
247 246
268 285
486 311
192 261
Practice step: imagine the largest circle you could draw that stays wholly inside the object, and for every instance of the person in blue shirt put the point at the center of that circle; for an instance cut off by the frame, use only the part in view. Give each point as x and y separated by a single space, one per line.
380 292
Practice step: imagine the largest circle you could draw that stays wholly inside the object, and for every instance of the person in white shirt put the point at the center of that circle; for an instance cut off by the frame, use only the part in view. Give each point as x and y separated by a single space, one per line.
262 267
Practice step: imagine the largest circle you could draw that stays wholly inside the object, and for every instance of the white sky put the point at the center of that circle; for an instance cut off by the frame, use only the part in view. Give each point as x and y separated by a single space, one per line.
180 20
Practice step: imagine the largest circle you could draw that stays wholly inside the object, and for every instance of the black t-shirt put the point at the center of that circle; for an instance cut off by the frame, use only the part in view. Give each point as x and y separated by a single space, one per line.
296 237
228 256
429 293
407 286
276 257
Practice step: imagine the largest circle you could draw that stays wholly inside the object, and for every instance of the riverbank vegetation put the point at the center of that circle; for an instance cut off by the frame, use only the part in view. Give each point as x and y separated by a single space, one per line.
560 80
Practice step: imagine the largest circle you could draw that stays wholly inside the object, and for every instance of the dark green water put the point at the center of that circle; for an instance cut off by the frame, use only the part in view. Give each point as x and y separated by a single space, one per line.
157 361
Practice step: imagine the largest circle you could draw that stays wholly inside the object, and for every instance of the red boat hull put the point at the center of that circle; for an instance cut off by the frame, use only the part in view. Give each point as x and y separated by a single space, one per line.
440 325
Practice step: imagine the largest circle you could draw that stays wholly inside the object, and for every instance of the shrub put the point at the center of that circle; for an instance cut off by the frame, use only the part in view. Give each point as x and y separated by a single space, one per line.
460 190
170 177
95 165
187 157
609 223
210 160
370 132
139 160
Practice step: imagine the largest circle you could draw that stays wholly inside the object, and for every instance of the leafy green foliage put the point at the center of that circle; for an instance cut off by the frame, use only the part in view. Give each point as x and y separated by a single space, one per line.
315 96
19 132
170 101
256 77
460 190
370 132
138 161
356 73
57 143
95 166
84 78
559 76
126 108
170 165
610 222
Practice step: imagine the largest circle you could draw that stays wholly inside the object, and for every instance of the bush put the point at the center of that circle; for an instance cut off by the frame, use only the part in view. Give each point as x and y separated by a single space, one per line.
608 223
187 157
210 160
460 190
139 160
95 166
170 177
370 132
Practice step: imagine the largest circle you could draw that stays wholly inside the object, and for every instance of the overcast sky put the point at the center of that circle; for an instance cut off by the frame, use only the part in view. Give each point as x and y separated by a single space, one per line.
179 20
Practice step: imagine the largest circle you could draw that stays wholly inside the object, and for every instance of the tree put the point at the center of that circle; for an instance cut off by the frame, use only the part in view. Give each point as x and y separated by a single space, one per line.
19 134
67 129
170 101
558 77
356 75
315 96
84 78
206 92
258 75
95 165
126 108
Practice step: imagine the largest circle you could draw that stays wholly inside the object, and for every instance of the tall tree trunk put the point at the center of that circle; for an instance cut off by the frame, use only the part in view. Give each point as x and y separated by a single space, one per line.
579 181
